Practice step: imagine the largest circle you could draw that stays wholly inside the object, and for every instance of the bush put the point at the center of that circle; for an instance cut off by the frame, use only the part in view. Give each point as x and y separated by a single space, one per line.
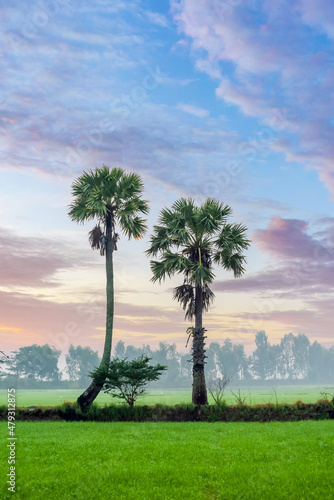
127 379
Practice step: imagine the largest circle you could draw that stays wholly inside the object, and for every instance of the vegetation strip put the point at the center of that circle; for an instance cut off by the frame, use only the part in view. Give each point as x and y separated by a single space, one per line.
321 410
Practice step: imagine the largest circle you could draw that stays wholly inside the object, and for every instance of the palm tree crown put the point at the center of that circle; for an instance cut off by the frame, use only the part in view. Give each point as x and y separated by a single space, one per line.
104 194
189 239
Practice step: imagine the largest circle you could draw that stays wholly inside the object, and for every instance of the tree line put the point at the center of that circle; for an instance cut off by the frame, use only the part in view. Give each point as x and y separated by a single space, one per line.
293 358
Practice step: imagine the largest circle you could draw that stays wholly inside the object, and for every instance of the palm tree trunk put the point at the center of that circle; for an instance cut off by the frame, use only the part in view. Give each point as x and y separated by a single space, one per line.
88 396
199 395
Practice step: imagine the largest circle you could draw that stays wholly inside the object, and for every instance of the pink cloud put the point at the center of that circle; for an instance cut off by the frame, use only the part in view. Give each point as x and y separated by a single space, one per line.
280 67
28 319
286 238
319 14
316 324
33 261
303 265
328 179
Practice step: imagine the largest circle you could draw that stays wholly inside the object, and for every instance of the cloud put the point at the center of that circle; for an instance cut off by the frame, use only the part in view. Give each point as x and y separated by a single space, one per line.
271 59
288 282
319 15
286 238
157 18
193 110
33 320
86 92
33 261
27 319
315 323
303 264
152 139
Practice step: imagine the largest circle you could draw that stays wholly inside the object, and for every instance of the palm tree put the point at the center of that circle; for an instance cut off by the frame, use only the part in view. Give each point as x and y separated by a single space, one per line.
188 240
111 197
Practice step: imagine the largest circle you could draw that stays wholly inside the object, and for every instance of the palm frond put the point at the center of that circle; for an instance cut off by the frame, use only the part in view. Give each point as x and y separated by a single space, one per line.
233 237
79 211
159 271
97 239
184 207
132 226
115 239
234 263
186 296
200 275
129 186
207 297
167 218
160 241
175 262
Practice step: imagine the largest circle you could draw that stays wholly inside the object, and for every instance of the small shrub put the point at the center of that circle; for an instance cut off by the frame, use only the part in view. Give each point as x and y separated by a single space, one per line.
127 379
216 388
240 400
323 402
299 404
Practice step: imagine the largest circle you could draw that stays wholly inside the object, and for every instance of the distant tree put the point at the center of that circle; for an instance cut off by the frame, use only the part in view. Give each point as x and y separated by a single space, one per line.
112 198
119 351
132 352
301 352
187 241
232 362
261 359
127 379
3 357
241 361
274 354
36 361
80 361
316 360
287 357
185 368
331 363
321 363
212 353
227 361
168 356
4 361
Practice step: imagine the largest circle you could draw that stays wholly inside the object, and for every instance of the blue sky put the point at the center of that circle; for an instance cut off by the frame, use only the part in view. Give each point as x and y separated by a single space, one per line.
228 99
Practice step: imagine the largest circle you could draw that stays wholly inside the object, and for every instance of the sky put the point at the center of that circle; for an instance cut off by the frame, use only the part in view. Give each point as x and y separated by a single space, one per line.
225 99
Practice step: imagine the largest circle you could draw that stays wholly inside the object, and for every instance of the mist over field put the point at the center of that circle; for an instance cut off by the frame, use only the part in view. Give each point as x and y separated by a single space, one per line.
295 360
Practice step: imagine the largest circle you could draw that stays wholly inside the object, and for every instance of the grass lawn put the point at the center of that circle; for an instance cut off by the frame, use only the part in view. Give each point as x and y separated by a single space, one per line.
89 460
287 394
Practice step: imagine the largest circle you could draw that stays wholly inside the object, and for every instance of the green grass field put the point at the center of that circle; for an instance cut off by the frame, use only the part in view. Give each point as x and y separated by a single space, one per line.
287 394
89 460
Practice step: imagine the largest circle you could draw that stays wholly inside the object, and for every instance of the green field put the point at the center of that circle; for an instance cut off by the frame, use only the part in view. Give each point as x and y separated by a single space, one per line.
89 460
287 394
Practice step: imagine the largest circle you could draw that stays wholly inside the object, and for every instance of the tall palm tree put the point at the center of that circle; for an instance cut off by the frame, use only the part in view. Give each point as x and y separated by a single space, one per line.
188 240
111 197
